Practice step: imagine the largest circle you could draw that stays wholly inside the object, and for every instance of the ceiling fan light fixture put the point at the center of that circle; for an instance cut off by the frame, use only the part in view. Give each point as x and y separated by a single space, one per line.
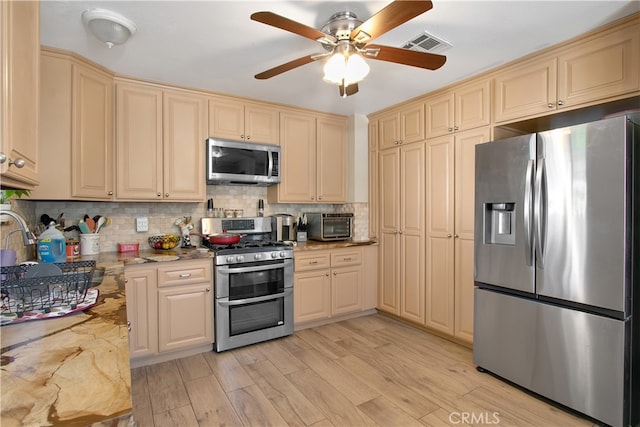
345 69
109 27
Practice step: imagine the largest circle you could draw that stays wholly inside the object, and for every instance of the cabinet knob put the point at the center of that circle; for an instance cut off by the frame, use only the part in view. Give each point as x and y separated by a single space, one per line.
450 129
109 193
456 128
455 236
159 194
208 289
248 137
550 105
560 103
19 163
400 232
326 274
166 194
241 136
448 236
335 274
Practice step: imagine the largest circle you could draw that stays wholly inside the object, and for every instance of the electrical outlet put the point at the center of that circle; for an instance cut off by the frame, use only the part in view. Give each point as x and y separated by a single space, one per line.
142 224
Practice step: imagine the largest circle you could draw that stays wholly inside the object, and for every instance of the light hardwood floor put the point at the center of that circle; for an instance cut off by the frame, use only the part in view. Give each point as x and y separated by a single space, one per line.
368 371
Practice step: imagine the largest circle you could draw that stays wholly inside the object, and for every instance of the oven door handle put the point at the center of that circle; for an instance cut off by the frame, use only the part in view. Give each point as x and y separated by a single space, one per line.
228 270
256 299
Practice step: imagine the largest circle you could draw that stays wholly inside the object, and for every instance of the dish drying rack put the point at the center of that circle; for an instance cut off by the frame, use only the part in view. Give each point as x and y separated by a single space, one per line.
22 294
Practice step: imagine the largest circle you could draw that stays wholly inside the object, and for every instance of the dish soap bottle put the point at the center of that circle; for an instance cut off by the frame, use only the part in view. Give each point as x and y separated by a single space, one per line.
52 245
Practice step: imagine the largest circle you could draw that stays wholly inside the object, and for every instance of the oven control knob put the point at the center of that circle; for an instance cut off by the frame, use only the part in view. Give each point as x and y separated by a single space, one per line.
229 259
282 254
257 256
274 255
239 258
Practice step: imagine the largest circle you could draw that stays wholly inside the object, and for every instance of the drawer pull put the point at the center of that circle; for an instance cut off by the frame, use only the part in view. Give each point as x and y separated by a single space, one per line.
185 275
346 258
313 262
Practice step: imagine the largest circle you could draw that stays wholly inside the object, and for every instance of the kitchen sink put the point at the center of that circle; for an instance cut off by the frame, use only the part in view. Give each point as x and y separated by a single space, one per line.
98 276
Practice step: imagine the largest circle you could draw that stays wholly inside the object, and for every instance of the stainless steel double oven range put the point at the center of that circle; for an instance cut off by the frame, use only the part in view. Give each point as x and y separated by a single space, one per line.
253 282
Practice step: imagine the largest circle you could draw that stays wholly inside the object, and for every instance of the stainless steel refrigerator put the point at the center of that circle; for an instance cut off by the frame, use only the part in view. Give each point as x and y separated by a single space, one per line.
557 254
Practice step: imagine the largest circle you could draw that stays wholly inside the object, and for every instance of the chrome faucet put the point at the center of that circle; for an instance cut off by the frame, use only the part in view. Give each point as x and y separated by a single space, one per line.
27 235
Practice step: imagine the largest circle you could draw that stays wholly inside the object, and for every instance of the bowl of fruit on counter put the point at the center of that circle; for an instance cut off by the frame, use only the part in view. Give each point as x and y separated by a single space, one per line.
164 242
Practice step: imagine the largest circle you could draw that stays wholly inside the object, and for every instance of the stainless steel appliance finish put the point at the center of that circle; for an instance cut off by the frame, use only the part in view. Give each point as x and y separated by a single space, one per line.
283 227
242 163
330 226
253 282
557 250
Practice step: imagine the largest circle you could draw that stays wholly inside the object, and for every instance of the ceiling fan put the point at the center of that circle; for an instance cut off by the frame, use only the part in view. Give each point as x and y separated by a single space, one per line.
346 39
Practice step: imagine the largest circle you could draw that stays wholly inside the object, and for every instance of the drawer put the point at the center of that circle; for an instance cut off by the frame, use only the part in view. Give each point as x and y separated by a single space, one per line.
346 257
184 273
312 261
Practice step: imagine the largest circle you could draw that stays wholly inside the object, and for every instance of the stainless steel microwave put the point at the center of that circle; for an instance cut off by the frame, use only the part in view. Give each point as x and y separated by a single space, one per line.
329 226
242 163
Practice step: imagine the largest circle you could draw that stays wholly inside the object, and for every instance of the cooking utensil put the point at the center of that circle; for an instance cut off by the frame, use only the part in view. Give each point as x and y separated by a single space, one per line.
101 222
221 238
91 224
84 228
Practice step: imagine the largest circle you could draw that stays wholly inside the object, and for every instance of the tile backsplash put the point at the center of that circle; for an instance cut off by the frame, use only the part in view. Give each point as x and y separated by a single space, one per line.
162 216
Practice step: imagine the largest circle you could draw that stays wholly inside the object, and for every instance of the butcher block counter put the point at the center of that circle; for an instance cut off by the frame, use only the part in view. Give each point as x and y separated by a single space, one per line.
74 370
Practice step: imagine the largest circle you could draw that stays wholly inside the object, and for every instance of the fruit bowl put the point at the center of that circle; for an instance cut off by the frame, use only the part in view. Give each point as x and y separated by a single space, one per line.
168 241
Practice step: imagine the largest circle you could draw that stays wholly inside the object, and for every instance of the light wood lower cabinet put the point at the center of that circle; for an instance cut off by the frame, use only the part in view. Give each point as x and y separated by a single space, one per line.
169 306
331 283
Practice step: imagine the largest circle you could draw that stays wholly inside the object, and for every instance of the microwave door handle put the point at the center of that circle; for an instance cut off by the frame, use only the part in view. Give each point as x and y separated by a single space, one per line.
256 299
270 171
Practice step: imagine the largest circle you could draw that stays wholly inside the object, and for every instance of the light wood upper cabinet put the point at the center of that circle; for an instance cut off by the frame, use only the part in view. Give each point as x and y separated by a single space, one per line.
466 107
245 121
596 69
449 232
402 126
314 152
19 94
167 128
75 130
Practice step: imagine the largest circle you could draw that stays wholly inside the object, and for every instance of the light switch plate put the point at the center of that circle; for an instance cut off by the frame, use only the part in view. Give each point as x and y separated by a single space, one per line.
142 224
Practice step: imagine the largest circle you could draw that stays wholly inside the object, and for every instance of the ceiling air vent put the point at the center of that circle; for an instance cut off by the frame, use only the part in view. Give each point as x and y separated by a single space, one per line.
425 42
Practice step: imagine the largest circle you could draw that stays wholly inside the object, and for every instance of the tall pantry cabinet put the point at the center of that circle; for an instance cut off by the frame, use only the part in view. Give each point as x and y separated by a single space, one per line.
401 172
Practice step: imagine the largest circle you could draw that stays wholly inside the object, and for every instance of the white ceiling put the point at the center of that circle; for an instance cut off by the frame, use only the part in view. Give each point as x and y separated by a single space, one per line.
214 45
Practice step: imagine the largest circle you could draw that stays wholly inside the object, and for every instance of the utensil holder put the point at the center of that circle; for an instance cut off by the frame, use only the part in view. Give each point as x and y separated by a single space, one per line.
89 244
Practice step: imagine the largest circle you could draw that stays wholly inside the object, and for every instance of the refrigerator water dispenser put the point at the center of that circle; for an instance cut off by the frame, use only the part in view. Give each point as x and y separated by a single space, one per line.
500 223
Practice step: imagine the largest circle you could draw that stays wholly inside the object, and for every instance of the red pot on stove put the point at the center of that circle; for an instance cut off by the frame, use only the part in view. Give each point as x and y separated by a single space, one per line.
221 238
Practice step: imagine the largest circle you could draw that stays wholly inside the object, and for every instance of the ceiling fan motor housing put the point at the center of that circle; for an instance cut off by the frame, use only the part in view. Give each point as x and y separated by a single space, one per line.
341 24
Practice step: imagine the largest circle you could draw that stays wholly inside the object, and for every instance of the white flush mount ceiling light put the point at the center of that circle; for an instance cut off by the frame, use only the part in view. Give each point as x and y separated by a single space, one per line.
109 27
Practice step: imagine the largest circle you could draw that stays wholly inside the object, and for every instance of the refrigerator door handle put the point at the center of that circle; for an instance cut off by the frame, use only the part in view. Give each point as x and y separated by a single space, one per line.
538 217
528 231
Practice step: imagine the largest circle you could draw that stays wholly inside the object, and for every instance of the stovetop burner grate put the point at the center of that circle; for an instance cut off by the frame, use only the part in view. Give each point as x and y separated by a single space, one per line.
255 245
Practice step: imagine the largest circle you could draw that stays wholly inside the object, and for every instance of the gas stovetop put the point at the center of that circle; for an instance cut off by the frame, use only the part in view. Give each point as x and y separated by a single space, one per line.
245 246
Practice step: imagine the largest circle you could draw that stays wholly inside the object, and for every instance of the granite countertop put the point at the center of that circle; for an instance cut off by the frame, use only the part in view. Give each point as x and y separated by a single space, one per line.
312 245
74 370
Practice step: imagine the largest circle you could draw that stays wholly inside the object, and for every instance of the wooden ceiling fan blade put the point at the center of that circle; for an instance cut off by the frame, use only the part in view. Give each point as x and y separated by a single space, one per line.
352 89
286 67
287 24
393 15
430 61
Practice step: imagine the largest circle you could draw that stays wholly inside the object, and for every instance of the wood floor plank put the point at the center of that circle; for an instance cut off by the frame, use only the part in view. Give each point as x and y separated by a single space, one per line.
349 385
441 417
249 354
278 354
193 367
210 403
141 398
177 417
227 370
385 413
338 409
253 407
322 344
292 405
166 389
342 332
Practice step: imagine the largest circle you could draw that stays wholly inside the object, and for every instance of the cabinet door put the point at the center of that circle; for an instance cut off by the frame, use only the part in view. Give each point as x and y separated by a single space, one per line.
184 133
142 314
440 113
440 189
464 229
19 95
412 256
346 290
389 130
226 118
311 296
92 138
412 123
472 105
389 273
525 90
603 67
138 142
261 124
185 316
331 165
298 167
373 179
370 277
